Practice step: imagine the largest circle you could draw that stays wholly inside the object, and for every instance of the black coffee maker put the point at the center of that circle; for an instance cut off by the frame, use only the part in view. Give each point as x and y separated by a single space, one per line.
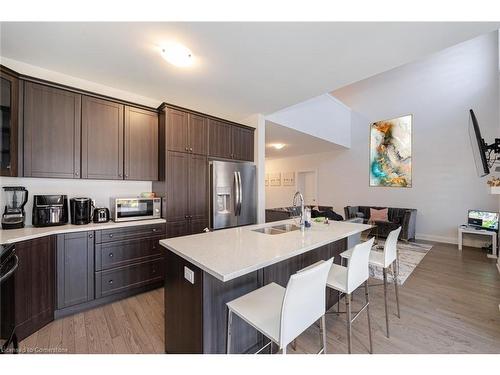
81 210
13 216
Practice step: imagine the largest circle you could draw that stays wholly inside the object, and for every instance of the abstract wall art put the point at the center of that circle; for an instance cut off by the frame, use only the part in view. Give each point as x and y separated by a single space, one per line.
391 152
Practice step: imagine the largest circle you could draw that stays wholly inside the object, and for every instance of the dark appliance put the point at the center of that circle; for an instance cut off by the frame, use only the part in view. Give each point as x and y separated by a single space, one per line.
8 266
485 155
13 215
81 210
50 210
101 215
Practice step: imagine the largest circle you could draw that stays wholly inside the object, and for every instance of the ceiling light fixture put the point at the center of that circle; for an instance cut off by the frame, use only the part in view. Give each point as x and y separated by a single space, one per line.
278 146
177 54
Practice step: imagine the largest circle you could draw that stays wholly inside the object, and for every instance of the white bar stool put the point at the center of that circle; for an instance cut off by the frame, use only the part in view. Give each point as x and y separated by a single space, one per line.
384 260
347 279
283 314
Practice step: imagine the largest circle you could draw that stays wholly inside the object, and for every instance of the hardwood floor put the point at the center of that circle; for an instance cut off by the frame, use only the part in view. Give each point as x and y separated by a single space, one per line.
450 304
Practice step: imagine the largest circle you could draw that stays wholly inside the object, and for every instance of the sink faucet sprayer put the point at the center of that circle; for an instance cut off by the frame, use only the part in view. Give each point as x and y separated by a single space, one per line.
302 211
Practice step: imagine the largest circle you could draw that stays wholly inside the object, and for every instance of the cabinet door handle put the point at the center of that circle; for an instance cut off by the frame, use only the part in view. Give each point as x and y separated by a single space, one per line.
110 282
126 176
76 173
111 236
90 236
111 255
191 149
155 229
186 148
120 175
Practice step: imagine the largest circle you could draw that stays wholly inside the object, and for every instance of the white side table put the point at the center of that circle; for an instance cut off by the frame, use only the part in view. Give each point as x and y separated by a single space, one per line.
492 234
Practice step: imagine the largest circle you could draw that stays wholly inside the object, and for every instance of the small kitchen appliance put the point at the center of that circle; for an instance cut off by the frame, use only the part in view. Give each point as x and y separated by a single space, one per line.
50 210
13 216
81 210
127 209
101 215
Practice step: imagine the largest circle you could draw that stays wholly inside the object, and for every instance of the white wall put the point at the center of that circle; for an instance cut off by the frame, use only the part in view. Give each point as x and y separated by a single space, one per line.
99 190
438 91
323 116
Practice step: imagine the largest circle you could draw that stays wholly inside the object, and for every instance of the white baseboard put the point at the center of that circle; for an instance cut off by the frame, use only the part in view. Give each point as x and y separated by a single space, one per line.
430 237
452 240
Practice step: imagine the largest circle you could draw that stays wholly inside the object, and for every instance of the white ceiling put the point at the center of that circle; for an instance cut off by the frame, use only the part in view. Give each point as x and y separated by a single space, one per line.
296 142
242 68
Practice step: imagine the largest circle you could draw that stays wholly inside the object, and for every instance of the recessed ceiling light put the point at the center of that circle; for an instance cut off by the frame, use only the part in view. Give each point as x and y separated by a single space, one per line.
278 146
177 54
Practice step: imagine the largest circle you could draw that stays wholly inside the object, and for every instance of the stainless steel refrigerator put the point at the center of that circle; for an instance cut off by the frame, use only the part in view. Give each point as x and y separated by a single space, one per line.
233 197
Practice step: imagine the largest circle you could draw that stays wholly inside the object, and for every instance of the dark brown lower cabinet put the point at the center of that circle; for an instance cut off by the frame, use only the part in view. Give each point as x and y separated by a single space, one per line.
186 227
75 268
35 285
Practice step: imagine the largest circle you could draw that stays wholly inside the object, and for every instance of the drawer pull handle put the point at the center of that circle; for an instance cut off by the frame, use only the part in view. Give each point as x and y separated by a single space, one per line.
110 236
111 255
155 229
110 282
90 236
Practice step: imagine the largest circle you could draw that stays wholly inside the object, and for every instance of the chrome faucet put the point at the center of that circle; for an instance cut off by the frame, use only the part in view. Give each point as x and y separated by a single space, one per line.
302 211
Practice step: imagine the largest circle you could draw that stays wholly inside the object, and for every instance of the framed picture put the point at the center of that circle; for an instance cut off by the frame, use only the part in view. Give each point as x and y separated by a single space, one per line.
391 152
288 178
275 179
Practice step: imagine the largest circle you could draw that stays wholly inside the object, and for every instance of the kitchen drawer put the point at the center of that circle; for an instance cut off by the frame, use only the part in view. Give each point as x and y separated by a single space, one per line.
121 253
125 278
108 235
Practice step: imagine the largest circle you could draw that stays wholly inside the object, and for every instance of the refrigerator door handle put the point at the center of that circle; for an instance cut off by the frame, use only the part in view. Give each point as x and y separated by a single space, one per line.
236 194
240 194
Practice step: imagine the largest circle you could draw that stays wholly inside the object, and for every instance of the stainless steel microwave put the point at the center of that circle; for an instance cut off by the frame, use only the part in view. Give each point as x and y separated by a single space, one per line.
128 209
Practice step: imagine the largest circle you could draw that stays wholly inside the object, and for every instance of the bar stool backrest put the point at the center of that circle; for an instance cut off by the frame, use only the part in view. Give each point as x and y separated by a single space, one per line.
304 302
391 247
357 268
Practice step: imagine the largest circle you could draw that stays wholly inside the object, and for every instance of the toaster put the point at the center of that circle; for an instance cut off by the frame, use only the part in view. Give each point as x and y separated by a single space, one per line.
101 215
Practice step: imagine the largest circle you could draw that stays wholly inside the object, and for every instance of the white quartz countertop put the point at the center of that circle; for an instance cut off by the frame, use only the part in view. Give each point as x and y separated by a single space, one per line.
229 253
30 232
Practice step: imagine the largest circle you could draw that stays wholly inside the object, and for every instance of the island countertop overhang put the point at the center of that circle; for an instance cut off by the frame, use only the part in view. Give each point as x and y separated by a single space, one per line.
230 253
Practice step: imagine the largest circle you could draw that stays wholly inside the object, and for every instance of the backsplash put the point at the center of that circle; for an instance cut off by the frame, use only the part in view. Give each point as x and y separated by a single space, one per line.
99 190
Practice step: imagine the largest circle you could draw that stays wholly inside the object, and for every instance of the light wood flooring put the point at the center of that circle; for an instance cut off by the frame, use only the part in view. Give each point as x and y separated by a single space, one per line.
449 304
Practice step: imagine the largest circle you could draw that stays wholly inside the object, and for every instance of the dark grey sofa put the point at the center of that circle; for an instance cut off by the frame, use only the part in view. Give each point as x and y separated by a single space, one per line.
404 217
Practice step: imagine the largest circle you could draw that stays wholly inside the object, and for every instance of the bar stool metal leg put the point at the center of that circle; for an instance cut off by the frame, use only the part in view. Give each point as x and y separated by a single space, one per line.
395 271
229 328
368 315
349 321
322 330
385 302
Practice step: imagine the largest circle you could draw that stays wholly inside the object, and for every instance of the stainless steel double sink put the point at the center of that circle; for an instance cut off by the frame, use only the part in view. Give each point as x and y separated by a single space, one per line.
278 229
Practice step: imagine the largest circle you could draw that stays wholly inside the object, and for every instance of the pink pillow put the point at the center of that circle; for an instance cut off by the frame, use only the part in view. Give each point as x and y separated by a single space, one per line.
379 215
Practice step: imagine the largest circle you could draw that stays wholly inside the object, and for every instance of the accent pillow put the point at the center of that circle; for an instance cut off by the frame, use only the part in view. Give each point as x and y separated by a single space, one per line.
379 215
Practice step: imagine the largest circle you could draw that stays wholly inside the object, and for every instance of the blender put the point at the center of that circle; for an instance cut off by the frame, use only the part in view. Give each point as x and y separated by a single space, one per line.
13 215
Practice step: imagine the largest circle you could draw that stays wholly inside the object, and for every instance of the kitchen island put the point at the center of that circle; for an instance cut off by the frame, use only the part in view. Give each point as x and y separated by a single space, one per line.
205 271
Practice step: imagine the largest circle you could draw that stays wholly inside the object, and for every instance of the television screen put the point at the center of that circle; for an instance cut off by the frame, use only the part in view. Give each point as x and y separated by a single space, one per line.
483 219
478 146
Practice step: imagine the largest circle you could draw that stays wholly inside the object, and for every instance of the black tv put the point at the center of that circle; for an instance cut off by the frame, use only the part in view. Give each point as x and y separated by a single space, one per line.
478 146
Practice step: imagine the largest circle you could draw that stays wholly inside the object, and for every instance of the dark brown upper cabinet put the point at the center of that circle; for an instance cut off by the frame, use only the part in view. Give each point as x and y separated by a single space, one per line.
177 131
186 132
198 185
198 134
141 144
219 139
242 143
9 103
52 132
102 139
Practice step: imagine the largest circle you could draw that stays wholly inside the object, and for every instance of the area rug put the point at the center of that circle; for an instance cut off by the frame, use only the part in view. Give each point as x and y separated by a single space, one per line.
410 255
